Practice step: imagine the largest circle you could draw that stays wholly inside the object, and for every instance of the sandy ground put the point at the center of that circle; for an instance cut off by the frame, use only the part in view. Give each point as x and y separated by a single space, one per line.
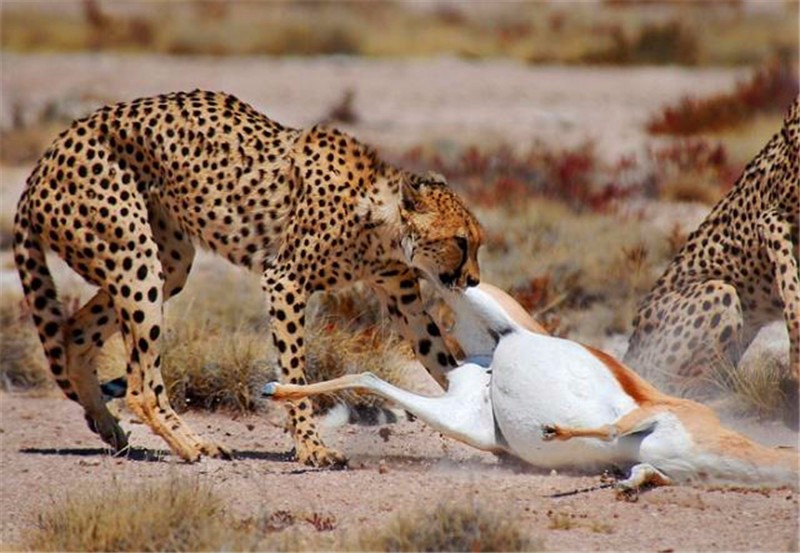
46 451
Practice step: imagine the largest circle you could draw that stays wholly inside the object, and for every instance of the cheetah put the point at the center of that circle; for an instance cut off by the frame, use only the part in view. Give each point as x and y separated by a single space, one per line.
736 272
126 194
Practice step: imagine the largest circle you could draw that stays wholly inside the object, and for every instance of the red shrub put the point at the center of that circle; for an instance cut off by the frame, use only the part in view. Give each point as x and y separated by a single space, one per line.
502 177
770 89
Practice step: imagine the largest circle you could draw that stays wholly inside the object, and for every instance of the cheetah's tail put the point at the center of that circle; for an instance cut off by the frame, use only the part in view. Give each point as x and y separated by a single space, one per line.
40 294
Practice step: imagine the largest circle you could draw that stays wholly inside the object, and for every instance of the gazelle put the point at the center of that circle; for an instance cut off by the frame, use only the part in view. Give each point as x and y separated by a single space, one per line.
556 403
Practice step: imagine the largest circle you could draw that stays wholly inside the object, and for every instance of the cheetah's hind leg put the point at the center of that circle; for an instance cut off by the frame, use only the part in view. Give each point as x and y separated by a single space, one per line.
85 333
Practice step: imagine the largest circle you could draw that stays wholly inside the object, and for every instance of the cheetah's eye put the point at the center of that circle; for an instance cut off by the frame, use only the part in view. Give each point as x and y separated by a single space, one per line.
462 244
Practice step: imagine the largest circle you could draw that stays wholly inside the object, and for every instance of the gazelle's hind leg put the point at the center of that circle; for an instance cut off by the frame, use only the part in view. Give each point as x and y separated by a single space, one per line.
643 474
278 391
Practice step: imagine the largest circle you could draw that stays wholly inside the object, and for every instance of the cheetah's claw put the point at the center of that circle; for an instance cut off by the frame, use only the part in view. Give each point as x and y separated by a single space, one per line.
216 450
324 458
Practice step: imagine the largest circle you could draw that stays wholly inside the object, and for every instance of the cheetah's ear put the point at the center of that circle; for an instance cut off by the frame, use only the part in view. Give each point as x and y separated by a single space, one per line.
432 177
411 193
414 191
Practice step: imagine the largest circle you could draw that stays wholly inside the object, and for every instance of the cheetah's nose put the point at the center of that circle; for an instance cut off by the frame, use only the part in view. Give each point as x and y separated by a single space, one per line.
472 281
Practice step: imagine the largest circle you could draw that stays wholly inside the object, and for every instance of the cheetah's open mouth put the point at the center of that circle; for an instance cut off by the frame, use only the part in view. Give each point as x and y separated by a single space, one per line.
455 281
451 280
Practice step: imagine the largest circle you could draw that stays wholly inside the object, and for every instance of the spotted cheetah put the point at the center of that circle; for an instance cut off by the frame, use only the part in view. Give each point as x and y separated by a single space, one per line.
736 272
125 194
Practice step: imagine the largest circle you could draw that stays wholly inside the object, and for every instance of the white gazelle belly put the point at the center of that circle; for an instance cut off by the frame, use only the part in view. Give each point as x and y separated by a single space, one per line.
539 380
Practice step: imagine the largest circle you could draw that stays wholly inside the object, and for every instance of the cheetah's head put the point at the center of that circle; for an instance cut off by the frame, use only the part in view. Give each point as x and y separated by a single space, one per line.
441 236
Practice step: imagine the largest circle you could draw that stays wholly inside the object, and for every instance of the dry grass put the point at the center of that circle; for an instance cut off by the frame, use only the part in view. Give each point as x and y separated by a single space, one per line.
207 365
583 258
563 520
695 33
670 41
27 143
744 141
170 514
451 526
695 170
177 514
348 333
6 230
22 362
218 351
756 386
599 527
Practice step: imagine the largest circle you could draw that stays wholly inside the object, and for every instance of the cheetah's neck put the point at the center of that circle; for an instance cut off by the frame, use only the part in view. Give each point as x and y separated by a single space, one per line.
382 204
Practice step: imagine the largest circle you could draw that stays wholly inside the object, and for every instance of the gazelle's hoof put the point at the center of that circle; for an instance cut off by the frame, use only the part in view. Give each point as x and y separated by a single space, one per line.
625 493
549 432
269 389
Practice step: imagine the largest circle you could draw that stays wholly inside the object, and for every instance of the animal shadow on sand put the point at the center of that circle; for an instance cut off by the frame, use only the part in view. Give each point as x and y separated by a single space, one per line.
150 455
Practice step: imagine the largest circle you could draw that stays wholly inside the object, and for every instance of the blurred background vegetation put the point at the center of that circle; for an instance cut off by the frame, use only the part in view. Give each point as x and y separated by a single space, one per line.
727 32
570 232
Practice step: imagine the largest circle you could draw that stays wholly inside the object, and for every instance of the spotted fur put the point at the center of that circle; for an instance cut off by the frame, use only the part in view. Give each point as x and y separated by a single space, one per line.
736 272
125 194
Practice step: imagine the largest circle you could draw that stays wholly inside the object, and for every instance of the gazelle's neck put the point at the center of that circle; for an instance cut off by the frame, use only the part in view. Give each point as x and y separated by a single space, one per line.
483 314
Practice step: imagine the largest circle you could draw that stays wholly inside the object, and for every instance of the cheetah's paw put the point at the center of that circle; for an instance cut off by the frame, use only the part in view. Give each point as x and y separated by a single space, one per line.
321 456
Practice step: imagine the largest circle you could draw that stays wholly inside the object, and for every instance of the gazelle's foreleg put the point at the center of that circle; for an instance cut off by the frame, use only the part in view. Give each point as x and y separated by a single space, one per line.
551 432
630 423
637 420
